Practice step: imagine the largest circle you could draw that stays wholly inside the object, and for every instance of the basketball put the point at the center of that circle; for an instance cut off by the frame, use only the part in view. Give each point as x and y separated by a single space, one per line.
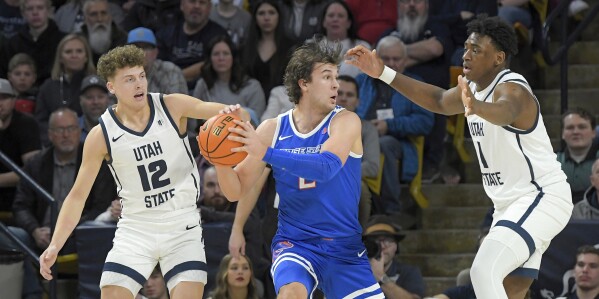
213 142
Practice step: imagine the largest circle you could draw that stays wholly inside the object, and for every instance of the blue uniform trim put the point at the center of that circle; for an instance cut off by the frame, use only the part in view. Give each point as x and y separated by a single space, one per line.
186 266
520 231
170 118
148 126
122 269
526 272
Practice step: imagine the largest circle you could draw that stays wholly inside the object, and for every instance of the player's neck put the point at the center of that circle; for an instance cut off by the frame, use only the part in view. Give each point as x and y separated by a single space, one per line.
486 80
306 119
134 119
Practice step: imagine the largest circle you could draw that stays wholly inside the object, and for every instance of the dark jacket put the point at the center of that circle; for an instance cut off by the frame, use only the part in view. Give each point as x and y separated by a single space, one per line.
29 208
152 14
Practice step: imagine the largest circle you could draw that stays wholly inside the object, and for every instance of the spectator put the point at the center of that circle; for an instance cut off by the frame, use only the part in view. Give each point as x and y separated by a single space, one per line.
395 117
235 279
429 50
397 280
69 17
183 42
19 141
22 74
374 17
99 28
266 52
55 169
586 274
39 38
151 14
301 18
224 80
347 97
94 100
455 14
72 63
233 18
515 11
162 76
578 132
154 287
11 19
338 24
588 207
278 102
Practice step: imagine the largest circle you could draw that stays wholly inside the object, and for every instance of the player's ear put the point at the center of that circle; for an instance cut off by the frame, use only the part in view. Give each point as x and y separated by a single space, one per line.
110 87
499 58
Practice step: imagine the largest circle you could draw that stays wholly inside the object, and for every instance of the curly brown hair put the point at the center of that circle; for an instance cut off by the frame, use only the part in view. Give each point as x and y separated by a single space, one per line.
118 58
303 60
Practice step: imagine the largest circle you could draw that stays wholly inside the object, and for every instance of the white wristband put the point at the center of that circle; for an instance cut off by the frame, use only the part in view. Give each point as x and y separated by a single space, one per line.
388 75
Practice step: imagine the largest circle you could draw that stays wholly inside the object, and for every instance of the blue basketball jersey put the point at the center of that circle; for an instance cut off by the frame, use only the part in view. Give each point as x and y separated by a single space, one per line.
311 209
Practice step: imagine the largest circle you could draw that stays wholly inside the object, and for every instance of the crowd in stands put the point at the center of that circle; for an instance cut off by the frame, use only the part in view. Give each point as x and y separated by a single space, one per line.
236 51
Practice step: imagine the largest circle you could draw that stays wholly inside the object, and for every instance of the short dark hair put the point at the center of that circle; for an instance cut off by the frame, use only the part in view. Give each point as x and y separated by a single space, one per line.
501 33
301 64
584 249
350 79
582 113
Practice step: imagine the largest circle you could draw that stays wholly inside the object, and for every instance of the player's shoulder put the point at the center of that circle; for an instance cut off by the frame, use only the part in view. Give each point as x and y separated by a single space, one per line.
346 116
96 140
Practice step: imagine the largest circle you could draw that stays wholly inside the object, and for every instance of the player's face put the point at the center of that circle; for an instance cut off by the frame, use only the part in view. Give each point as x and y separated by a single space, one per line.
239 272
73 56
222 58
22 78
586 271
130 85
577 133
155 288
347 96
323 87
267 18
481 59
336 21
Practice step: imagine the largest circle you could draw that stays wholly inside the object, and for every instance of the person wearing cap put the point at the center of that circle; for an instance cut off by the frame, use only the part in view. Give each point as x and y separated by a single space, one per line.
94 100
397 280
19 141
163 76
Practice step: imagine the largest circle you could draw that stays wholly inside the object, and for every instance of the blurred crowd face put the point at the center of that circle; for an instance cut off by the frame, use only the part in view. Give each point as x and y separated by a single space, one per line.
22 78
577 132
196 12
239 273
94 101
213 196
7 105
155 287
347 95
36 13
586 272
98 22
412 18
64 132
221 58
267 18
394 56
73 56
336 22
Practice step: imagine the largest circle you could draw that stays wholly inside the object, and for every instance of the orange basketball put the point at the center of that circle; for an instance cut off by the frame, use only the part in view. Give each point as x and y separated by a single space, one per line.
213 142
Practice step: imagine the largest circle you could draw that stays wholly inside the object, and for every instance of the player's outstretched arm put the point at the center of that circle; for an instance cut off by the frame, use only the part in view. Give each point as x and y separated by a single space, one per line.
184 106
94 152
245 206
430 97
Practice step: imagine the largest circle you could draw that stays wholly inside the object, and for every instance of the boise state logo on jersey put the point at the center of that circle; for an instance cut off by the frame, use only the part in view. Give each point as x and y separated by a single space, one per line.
281 246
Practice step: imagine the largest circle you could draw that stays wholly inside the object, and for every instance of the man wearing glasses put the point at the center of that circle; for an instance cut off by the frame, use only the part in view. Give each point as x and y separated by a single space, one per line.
397 280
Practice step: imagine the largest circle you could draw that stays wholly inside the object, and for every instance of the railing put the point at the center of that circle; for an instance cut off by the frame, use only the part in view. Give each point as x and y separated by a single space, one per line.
53 214
568 39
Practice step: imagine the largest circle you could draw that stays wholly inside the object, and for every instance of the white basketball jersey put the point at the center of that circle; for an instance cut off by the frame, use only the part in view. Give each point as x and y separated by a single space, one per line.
513 162
154 170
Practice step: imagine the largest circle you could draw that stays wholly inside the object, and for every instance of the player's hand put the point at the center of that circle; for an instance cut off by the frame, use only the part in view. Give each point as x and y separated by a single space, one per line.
47 259
237 110
467 96
366 60
248 136
236 243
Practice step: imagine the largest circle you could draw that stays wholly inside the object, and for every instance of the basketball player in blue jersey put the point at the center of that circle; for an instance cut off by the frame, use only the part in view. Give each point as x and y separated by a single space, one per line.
315 152
143 138
520 173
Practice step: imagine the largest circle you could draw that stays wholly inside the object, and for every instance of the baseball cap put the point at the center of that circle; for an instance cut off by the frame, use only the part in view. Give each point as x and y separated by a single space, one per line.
383 228
6 88
141 35
92 81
